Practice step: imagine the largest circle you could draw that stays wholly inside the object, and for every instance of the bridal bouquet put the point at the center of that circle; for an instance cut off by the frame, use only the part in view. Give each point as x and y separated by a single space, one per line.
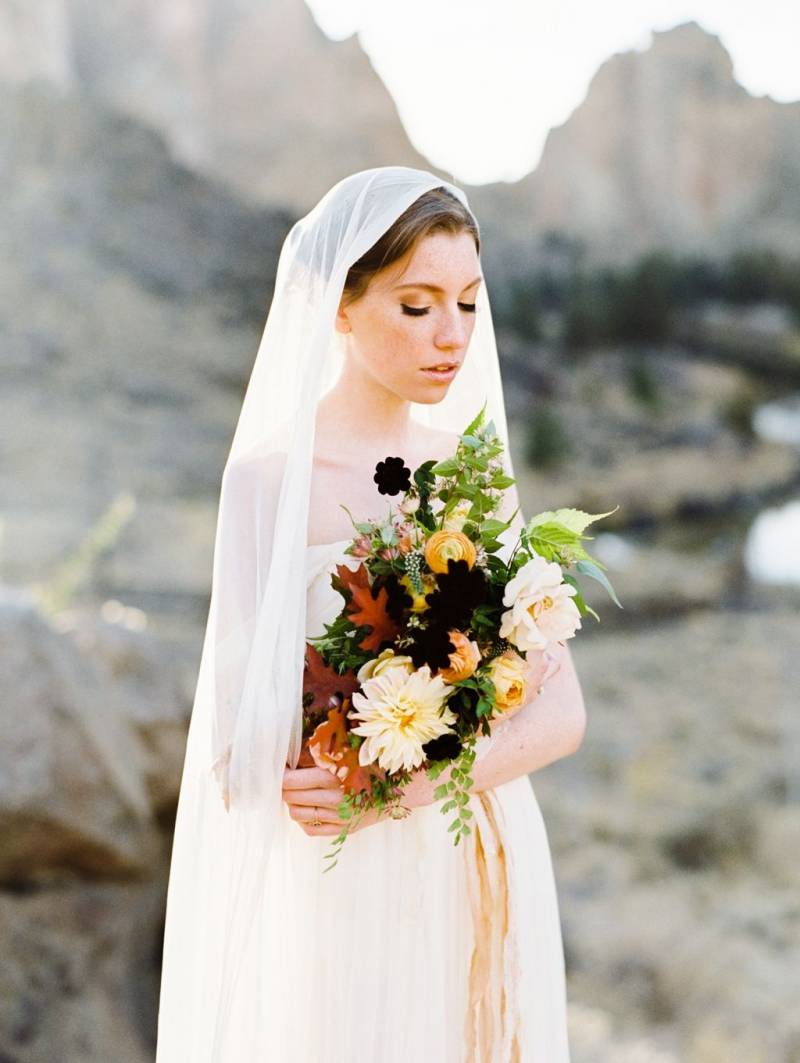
438 636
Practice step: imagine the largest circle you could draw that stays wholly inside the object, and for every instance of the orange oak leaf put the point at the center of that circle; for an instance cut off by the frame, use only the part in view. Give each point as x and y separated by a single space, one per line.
323 682
346 578
372 613
367 609
330 749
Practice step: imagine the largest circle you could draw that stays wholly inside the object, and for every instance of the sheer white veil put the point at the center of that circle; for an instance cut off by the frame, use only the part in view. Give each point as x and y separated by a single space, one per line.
246 718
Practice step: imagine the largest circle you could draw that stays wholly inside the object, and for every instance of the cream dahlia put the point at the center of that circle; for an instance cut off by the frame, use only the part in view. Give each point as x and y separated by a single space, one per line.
400 712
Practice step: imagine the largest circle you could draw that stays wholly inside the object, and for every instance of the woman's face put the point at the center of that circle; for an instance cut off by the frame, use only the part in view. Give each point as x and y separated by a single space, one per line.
400 330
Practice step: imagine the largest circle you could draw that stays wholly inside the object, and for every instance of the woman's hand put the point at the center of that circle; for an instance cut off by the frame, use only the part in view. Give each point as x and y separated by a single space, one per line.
303 788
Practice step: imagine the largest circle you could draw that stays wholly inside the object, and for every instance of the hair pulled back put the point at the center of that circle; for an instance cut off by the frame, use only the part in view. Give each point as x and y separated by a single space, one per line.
434 211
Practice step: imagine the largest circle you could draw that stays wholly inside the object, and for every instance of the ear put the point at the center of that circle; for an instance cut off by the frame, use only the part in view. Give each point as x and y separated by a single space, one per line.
342 322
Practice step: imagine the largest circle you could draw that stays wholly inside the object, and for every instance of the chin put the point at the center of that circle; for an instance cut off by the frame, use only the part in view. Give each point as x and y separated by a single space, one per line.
430 397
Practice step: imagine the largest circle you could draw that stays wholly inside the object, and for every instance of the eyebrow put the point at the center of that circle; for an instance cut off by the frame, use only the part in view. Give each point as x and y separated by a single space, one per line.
433 287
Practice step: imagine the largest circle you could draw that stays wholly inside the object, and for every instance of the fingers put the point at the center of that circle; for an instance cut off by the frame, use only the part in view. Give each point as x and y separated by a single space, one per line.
324 828
306 778
327 798
304 816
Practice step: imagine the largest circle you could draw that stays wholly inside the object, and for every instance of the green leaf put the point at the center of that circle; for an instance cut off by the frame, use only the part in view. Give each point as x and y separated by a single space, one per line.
589 568
388 535
493 527
423 476
576 520
448 467
478 420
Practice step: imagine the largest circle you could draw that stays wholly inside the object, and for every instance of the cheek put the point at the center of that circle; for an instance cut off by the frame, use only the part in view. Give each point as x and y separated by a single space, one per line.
399 341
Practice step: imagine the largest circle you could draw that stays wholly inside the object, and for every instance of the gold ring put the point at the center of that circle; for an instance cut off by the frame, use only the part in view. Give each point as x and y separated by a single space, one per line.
316 821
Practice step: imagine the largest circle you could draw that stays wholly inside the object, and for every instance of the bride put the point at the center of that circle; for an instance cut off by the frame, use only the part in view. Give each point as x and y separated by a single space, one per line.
378 342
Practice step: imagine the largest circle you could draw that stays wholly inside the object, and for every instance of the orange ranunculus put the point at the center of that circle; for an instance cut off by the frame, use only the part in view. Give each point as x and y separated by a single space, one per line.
463 660
444 545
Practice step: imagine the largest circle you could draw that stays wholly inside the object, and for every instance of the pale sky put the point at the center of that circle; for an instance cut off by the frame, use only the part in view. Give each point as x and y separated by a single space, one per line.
478 83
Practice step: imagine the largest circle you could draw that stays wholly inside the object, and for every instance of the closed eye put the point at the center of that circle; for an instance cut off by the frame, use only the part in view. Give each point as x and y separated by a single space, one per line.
418 311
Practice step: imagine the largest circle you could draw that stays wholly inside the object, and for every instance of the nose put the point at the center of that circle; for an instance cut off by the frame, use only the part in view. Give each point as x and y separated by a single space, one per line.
452 332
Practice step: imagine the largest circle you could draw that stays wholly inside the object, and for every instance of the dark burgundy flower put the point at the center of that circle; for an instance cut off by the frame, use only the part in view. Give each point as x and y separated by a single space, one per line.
431 646
399 600
458 592
445 747
392 476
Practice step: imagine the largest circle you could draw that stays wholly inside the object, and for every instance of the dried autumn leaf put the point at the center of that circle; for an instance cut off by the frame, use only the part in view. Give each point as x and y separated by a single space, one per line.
372 613
345 579
323 682
330 749
366 609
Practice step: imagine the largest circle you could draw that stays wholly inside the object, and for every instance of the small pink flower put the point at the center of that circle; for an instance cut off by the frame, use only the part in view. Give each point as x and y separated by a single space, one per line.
362 546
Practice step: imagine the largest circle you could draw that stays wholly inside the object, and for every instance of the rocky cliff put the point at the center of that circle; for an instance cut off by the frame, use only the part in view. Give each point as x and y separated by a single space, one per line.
252 93
667 149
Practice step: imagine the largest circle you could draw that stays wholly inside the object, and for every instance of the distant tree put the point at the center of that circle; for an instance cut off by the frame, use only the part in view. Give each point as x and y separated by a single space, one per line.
754 276
546 441
523 308
644 300
641 382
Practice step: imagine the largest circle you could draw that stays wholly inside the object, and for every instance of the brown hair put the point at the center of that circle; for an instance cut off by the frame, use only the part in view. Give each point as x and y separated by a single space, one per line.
437 210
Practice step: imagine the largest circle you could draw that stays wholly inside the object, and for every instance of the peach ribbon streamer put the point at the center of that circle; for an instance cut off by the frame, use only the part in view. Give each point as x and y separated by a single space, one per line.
492 1024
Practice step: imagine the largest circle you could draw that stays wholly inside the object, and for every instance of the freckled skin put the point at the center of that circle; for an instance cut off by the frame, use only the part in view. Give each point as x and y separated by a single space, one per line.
388 346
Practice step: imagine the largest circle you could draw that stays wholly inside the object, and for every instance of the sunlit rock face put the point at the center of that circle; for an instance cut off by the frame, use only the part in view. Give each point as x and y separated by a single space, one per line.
668 149
636 151
251 91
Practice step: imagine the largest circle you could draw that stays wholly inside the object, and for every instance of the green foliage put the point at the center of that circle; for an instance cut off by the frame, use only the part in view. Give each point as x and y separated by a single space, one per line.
637 303
556 535
547 442
642 383
522 311
457 789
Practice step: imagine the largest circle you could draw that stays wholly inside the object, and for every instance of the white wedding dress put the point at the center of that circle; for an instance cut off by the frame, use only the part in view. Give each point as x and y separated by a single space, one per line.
412 948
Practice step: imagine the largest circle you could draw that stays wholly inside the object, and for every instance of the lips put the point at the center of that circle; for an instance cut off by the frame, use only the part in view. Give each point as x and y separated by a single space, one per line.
440 374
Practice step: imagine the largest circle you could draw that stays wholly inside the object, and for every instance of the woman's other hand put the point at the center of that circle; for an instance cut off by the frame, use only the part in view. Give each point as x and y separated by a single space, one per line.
303 788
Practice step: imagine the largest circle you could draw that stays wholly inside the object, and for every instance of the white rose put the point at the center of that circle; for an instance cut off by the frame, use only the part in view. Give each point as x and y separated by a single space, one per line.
542 610
386 659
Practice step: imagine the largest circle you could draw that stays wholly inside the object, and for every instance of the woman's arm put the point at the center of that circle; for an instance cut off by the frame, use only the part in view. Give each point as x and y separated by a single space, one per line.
548 727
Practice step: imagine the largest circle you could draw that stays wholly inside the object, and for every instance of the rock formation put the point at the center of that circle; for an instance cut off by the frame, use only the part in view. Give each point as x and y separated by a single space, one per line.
252 93
667 149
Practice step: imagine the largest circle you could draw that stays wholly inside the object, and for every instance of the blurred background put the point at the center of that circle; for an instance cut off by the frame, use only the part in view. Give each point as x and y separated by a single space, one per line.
636 173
